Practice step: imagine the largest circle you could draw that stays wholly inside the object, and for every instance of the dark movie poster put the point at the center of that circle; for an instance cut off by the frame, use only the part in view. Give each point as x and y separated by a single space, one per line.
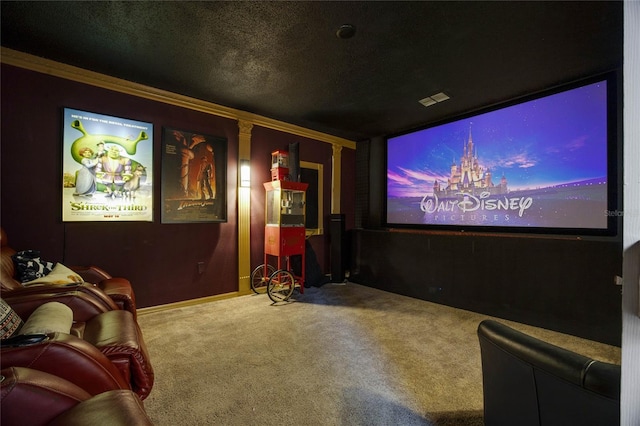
542 163
193 177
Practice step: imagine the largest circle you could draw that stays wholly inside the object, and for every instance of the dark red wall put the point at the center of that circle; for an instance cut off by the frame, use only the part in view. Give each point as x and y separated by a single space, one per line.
264 142
159 259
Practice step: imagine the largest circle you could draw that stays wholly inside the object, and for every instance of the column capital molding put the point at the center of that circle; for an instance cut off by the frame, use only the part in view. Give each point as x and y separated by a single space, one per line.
245 127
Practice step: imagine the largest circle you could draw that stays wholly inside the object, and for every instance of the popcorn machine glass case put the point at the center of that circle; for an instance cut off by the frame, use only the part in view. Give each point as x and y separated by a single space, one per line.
285 218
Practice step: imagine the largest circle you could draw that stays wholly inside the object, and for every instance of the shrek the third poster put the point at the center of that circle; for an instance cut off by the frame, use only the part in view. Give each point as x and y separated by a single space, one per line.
107 170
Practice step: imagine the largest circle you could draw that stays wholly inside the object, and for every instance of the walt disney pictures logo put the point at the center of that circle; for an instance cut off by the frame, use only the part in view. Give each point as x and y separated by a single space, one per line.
475 207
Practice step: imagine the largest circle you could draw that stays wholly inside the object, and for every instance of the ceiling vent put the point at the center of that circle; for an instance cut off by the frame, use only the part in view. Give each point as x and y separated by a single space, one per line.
434 99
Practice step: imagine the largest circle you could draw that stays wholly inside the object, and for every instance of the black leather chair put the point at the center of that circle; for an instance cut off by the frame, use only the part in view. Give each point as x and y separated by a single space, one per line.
530 382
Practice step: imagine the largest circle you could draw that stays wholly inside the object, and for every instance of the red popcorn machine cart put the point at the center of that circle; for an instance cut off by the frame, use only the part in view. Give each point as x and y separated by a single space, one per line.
284 237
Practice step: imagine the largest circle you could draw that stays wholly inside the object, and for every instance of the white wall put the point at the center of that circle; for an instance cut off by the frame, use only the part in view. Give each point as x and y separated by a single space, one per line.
630 404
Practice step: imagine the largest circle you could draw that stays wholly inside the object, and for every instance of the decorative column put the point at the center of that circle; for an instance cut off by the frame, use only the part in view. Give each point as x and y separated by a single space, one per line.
244 211
336 178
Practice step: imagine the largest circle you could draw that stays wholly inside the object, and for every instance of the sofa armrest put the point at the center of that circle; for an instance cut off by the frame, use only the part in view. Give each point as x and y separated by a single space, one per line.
121 292
119 289
122 408
68 357
91 274
604 379
84 306
117 335
555 360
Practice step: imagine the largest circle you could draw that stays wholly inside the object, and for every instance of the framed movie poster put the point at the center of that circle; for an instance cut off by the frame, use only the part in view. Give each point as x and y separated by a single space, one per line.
194 177
107 168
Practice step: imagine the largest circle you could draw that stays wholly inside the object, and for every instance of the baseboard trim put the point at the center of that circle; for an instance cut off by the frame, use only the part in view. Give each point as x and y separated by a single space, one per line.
186 303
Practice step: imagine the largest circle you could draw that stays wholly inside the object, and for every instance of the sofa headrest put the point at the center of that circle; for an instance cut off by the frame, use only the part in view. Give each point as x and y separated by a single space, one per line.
3 238
7 268
35 397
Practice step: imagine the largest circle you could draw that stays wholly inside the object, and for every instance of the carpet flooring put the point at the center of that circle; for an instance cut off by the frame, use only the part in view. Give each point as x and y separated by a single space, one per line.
342 354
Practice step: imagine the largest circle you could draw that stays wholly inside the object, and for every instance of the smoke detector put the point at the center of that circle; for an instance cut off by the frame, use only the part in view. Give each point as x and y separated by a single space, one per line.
346 31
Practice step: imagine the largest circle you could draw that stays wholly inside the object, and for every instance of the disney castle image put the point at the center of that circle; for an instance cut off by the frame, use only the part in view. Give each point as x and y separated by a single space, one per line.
469 177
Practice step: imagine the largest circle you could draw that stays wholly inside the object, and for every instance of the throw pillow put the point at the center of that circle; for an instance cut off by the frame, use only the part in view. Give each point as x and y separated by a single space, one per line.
29 266
59 275
10 321
50 317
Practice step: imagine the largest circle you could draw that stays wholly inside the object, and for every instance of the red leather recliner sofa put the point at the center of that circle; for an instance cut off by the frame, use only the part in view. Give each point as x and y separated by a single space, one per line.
35 398
112 291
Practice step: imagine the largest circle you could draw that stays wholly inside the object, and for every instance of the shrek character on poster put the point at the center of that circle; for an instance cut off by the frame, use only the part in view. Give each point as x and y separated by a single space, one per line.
112 169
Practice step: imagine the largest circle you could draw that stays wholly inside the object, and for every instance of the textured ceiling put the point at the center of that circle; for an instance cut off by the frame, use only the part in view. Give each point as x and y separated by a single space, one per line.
284 61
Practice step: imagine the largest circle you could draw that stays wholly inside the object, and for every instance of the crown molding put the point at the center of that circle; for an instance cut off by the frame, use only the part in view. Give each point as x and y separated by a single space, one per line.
69 72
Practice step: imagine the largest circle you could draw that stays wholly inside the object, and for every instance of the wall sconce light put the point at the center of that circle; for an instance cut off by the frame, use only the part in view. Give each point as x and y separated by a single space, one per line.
245 174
